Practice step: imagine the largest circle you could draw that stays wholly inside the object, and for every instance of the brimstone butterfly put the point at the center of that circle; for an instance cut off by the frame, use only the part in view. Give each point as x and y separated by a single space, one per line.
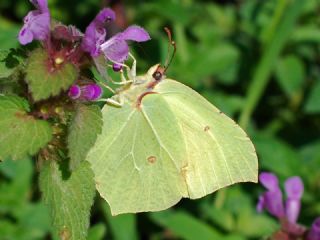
164 143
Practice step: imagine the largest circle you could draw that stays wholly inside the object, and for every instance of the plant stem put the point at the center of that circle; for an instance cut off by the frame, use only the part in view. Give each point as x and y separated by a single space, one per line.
279 37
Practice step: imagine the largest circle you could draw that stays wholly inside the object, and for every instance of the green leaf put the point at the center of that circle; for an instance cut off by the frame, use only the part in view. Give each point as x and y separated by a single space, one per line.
11 64
255 225
31 220
290 74
283 160
310 161
219 59
46 80
15 192
5 69
312 104
229 104
174 145
239 206
222 218
20 134
308 33
185 226
97 232
8 33
84 128
123 227
69 200
34 219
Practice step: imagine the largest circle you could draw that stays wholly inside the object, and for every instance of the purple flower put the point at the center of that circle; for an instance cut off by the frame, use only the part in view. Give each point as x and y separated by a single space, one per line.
96 33
272 199
36 23
90 92
294 191
116 48
314 233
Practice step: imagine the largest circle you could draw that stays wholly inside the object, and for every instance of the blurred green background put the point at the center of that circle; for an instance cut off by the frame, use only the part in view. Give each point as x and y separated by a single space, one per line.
256 60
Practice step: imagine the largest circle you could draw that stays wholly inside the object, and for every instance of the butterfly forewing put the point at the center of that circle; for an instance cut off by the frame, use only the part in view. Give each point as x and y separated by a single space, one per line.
167 145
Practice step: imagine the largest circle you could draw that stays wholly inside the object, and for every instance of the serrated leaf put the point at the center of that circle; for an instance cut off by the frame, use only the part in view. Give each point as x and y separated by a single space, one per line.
45 80
9 61
84 128
20 134
69 200
5 71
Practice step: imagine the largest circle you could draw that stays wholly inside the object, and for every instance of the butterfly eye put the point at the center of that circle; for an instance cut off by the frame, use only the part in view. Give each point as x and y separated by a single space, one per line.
157 75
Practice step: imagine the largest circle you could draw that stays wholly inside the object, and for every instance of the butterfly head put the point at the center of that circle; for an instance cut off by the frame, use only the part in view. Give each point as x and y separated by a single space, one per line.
157 72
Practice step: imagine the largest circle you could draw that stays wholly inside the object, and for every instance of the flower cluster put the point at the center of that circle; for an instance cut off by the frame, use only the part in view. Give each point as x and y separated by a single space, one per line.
287 213
93 43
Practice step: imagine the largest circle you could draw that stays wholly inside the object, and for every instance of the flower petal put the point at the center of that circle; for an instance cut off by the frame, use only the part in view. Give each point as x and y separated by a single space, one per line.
273 203
292 209
314 233
40 26
36 23
41 5
135 33
260 204
25 36
95 33
269 181
115 49
91 92
97 92
105 15
31 16
294 187
92 40
74 92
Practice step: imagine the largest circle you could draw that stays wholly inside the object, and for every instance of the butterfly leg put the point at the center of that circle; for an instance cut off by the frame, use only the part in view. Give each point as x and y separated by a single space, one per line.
123 81
108 87
133 71
115 102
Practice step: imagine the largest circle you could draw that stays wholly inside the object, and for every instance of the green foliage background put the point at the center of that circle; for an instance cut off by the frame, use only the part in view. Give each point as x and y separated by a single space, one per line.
256 60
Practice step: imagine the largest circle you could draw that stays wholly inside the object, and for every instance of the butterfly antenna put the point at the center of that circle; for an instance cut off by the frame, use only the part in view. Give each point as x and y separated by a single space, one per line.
160 71
173 44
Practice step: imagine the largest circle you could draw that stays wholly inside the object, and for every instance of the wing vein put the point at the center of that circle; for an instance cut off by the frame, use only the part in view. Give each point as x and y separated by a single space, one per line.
158 139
